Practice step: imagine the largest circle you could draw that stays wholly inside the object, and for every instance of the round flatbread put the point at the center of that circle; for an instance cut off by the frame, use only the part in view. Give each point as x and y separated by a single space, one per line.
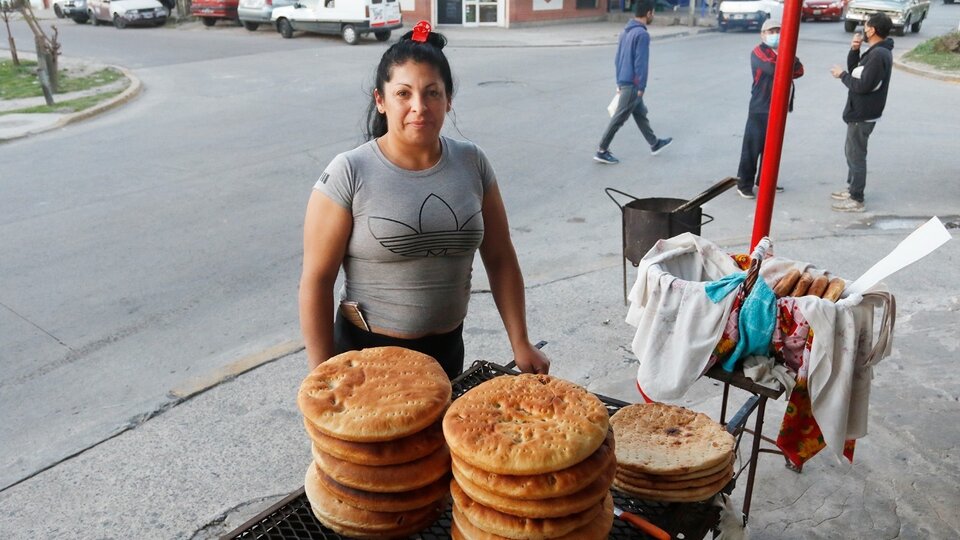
712 471
597 529
695 494
373 395
405 450
358 523
542 508
656 438
546 485
525 424
388 478
387 502
519 528
666 484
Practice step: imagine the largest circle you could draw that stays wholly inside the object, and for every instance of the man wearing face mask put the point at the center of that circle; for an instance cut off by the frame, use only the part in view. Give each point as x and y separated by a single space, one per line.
763 62
867 83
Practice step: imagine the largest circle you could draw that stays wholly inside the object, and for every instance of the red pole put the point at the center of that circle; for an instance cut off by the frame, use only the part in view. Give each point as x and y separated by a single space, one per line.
777 123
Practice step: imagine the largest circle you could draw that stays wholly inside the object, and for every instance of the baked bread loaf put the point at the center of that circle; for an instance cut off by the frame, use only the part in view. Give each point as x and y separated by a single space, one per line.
597 529
525 424
376 394
403 450
787 283
819 286
803 284
387 502
834 289
711 471
385 478
691 494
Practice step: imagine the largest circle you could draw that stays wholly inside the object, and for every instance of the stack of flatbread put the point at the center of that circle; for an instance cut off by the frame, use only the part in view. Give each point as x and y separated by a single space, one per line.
669 453
380 466
533 458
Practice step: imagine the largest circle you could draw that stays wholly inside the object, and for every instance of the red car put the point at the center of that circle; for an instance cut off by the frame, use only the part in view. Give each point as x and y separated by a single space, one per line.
823 10
210 10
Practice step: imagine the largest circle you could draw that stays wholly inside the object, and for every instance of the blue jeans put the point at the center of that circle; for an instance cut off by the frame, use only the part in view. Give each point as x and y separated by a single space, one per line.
855 150
630 104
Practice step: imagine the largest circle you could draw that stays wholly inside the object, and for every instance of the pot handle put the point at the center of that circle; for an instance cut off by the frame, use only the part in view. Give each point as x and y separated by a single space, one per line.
706 215
618 192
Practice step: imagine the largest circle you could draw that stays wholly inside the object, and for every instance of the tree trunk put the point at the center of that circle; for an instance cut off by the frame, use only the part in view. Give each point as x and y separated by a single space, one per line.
13 44
44 63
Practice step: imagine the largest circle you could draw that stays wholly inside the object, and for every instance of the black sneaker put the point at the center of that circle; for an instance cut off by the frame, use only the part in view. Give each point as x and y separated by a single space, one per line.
746 193
605 157
660 145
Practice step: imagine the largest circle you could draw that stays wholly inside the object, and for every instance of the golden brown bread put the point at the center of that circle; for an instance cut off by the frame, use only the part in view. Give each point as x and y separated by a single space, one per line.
521 528
803 284
630 473
787 283
525 424
834 289
669 483
358 523
541 508
403 450
387 502
818 287
546 485
598 529
386 478
377 394
671 495
656 438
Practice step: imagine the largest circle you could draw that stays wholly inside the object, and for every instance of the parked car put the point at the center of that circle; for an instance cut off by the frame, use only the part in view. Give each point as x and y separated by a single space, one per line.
71 9
123 13
349 18
823 10
904 13
253 13
747 14
210 10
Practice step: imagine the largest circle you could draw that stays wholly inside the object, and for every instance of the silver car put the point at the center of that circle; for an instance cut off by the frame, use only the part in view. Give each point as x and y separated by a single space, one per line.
71 9
253 13
903 13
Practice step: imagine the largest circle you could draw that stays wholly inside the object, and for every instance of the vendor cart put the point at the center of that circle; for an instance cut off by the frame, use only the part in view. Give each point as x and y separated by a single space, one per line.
292 518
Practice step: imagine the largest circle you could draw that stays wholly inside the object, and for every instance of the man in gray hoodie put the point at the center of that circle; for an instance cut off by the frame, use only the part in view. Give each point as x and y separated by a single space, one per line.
632 61
867 79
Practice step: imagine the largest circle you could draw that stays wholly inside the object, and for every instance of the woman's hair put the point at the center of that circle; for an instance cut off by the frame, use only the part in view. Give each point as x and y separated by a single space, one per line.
403 51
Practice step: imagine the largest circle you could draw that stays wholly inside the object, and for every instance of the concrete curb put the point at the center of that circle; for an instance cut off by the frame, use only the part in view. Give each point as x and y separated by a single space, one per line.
918 69
130 92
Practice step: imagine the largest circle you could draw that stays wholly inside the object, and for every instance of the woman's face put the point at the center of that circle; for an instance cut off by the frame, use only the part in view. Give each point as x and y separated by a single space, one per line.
415 101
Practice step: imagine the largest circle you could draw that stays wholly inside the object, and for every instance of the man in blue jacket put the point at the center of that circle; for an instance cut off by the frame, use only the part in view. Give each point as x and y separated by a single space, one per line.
763 62
867 79
632 61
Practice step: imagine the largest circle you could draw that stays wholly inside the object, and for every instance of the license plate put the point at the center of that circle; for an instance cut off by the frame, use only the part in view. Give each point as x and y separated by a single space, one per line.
817 11
206 10
738 16
148 15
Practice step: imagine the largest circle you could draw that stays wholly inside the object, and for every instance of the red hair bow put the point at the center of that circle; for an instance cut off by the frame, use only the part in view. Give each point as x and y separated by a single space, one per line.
421 31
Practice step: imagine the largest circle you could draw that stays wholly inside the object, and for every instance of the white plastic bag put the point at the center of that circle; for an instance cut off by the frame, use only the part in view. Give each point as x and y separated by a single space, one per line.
612 107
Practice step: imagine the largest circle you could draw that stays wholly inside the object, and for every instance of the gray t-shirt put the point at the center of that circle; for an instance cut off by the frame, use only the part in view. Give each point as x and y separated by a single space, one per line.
410 255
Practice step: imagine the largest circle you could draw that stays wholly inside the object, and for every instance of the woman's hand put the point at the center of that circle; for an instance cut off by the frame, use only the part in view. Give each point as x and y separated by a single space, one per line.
530 359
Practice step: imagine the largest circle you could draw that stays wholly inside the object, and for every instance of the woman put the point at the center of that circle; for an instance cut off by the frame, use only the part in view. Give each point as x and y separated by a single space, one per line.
404 214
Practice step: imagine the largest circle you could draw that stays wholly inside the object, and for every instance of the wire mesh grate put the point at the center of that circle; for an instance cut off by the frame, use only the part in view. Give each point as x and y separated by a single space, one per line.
292 517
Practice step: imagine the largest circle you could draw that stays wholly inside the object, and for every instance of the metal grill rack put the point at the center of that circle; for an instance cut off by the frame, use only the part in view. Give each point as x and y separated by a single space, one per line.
292 518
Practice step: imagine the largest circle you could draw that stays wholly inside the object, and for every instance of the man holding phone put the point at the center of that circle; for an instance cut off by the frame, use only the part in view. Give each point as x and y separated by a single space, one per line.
867 79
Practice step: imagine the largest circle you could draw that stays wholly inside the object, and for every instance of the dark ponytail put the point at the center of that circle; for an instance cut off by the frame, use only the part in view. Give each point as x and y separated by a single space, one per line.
403 51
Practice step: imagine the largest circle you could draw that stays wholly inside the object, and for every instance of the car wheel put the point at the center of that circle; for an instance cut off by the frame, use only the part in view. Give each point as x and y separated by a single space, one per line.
119 22
160 22
251 26
382 36
208 21
722 27
849 26
80 19
285 28
902 30
57 11
349 34
915 27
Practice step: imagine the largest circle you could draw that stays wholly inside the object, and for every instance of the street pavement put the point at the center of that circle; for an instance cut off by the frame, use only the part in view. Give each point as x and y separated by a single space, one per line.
230 447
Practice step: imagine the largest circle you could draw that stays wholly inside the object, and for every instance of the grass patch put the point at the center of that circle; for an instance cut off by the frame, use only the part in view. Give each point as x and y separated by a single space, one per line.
22 81
70 106
939 52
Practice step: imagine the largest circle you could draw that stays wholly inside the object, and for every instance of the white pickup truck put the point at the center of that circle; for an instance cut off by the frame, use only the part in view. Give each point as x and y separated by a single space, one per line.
903 13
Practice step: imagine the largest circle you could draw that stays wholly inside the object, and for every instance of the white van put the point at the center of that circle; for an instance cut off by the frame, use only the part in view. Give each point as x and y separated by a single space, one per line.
123 13
748 14
349 18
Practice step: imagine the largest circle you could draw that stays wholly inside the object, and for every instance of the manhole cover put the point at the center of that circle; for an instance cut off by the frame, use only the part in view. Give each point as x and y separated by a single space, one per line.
498 83
896 223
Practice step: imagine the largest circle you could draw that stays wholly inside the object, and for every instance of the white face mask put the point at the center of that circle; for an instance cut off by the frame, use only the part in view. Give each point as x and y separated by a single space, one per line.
772 40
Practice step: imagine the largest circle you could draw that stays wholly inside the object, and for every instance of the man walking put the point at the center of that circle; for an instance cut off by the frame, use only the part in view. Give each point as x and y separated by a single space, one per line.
867 81
763 62
632 61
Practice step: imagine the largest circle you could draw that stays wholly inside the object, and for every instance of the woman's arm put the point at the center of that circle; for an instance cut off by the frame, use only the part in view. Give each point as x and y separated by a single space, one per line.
326 230
506 283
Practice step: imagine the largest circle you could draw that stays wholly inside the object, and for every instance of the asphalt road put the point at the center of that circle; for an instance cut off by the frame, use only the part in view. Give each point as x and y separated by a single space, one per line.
146 250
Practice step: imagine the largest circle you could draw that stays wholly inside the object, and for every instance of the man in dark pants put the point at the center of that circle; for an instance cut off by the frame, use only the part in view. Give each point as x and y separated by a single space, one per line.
632 61
763 62
867 79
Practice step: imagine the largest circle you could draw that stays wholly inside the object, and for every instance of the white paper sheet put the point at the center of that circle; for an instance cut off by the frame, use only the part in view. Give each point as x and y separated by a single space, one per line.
918 245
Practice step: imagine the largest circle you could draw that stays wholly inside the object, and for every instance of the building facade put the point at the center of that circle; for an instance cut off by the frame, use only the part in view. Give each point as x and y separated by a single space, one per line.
507 13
